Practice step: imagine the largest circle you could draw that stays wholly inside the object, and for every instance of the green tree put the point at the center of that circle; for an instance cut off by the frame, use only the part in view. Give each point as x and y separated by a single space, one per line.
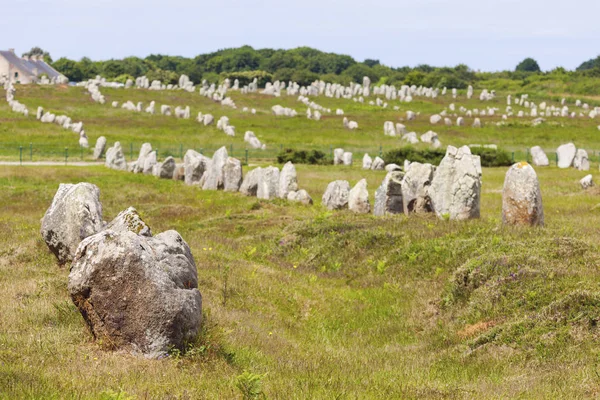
528 65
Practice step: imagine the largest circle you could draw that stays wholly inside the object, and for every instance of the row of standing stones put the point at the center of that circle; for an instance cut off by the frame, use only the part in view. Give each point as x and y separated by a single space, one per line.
138 292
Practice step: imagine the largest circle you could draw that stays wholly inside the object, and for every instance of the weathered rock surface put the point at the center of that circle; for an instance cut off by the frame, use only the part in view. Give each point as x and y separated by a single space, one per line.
455 190
137 293
336 195
75 213
521 197
586 182
268 183
388 197
566 155
415 188
232 175
301 196
99 147
250 183
288 180
115 159
378 164
581 161
358 198
539 158
145 151
213 178
194 164
367 161
166 169
129 220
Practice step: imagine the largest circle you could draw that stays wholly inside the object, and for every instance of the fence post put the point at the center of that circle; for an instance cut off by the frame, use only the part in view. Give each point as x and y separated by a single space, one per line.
30 151
231 150
331 151
21 155
247 157
380 151
66 154
181 150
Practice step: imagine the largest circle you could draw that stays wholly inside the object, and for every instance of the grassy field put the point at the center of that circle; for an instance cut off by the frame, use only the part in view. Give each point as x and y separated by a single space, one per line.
174 136
304 303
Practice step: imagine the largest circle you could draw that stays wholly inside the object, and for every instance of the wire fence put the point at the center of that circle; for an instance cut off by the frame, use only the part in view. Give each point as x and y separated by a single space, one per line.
33 152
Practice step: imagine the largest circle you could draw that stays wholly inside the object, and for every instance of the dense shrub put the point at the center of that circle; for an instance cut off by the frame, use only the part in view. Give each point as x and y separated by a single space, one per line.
314 157
489 157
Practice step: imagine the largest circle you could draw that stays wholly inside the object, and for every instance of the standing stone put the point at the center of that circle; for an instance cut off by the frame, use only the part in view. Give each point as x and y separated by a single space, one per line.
99 148
195 165
179 172
521 197
166 168
434 119
250 183
367 161
300 196
347 158
338 156
538 156
268 183
336 195
115 159
129 220
232 175
581 161
388 197
566 155
149 163
288 180
415 188
213 178
145 151
378 164
456 186
586 182
75 213
358 198
137 293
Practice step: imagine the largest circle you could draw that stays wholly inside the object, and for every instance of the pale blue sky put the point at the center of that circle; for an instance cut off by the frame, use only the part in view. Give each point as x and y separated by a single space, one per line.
484 34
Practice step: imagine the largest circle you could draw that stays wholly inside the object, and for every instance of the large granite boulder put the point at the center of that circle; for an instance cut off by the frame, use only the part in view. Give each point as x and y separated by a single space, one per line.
378 164
99 148
358 198
149 162
586 182
566 155
136 292
415 188
288 180
300 196
336 195
194 164
115 159
367 161
539 158
75 213
232 175
250 183
145 151
166 169
213 178
455 190
581 161
521 196
388 196
129 220
268 183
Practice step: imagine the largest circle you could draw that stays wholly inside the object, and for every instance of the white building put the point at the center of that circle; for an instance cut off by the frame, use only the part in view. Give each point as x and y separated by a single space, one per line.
25 69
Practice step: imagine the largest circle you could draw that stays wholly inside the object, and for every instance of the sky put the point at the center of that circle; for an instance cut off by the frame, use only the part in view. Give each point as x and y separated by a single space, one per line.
484 34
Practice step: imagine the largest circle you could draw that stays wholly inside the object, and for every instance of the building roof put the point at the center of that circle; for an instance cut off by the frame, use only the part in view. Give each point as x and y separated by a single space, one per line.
30 66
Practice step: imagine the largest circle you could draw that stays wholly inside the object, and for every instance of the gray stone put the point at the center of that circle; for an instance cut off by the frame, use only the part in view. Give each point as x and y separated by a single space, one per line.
179 172
232 175
145 151
213 178
194 164
115 159
300 196
521 197
455 190
336 195
149 163
99 148
358 198
166 168
338 156
367 162
137 293
347 158
75 213
129 220
378 164
388 197
392 167
268 183
250 183
539 158
566 155
415 188
288 180
581 161
586 182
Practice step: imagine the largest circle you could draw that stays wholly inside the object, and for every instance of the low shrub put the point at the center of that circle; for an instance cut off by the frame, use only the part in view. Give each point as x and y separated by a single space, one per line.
314 157
489 157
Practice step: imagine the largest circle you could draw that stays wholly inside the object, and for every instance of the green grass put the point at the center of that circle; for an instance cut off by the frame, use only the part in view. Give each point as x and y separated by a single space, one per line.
173 136
303 303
